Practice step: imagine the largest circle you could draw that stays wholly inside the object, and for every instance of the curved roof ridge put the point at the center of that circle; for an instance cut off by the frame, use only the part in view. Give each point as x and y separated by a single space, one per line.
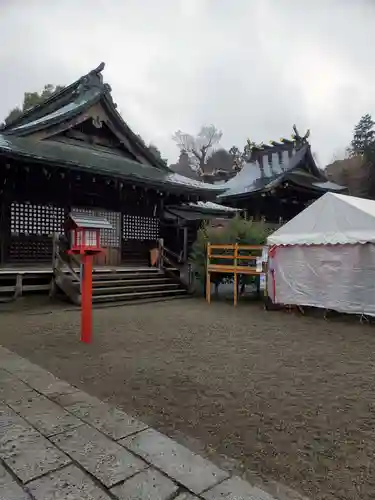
93 78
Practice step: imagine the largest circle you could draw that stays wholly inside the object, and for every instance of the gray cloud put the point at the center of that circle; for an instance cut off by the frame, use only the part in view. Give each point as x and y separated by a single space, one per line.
251 67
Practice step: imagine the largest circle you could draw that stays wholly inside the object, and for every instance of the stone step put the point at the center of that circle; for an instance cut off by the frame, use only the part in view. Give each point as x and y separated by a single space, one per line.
126 281
133 282
126 275
138 295
139 288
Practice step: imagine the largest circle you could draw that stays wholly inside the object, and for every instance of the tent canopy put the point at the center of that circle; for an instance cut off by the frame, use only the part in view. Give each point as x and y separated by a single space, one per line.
332 219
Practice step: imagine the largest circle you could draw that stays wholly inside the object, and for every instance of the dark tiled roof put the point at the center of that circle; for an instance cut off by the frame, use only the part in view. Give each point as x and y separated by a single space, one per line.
74 100
96 161
90 221
299 169
201 210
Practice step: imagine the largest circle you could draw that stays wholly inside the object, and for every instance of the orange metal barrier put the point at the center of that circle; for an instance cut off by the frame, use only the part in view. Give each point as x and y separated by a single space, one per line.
240 255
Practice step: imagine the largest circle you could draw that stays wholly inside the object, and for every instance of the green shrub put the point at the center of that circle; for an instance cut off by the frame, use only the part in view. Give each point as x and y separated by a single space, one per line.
237 230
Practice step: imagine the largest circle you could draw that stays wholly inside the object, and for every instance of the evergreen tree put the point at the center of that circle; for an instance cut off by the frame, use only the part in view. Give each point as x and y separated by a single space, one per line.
364 136
363 145
31 99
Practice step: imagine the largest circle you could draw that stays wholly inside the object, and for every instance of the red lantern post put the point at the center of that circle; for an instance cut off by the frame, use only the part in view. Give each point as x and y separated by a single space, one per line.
85 232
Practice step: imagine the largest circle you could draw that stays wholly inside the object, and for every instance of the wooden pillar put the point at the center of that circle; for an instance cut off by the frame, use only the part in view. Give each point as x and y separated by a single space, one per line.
4 228
185 247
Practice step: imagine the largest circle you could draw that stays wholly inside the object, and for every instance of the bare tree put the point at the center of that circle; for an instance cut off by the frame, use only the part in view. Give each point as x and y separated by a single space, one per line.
199 147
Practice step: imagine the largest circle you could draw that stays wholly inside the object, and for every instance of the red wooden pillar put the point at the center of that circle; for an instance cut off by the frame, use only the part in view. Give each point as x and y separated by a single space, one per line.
86 308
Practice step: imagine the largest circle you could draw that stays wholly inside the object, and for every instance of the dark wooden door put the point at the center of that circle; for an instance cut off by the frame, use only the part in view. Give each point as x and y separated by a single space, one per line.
140 234
110 239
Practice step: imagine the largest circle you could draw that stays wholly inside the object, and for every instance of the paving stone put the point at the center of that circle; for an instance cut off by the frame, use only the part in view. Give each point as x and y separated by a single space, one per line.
236 488
45 382
105 459
12 389
45 415
69 483
186 496
3 351
15 364
76 397
12 426
9 488
108 419
35 376
26 452
147 485
5 375
179 463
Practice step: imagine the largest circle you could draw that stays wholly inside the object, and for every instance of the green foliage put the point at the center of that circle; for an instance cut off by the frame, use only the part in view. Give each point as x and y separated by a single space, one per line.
156 152
363 137
238 230
31 99
363 145
13 114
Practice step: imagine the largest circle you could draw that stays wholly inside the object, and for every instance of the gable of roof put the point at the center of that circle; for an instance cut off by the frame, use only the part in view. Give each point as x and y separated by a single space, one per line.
72 104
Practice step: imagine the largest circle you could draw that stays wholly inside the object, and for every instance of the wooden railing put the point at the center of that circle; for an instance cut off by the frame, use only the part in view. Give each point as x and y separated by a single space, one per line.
58 262
233 259
173 264
64 274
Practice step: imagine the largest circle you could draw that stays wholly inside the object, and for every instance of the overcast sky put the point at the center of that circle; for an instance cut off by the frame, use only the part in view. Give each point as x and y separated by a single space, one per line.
251 67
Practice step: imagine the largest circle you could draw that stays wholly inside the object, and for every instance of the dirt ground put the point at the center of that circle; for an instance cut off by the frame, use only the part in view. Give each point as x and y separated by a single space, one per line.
288 397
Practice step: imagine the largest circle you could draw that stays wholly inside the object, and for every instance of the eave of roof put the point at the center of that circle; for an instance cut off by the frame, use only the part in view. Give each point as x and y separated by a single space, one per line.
250 179
96 161
200 211
207 207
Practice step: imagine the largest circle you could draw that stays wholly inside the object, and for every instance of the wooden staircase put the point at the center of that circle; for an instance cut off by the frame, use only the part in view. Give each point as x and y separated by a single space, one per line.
124 285
128 284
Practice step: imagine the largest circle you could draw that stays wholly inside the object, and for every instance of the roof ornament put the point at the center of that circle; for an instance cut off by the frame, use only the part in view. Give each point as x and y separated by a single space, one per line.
99 69
298 139
93 79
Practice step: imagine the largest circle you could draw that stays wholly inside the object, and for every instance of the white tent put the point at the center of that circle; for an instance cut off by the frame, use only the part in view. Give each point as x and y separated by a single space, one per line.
325 256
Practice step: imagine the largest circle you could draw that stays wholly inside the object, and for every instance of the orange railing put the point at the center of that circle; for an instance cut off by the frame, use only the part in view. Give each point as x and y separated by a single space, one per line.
233 259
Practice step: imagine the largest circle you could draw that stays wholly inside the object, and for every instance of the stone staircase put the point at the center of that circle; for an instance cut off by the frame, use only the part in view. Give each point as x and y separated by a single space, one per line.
136 282
130 285
125 285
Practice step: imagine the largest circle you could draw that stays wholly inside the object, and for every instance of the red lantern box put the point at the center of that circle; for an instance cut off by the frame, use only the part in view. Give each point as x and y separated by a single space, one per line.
85 241
85 233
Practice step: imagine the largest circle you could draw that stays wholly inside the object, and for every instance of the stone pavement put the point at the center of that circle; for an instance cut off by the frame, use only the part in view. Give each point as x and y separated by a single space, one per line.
59 443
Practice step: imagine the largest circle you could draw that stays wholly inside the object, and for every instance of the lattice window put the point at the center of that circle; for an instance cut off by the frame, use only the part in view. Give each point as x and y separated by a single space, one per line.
108 237
136 227
87 238
30 249
35 220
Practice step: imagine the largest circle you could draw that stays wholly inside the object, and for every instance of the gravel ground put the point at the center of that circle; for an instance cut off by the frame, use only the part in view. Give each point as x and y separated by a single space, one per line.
288 397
